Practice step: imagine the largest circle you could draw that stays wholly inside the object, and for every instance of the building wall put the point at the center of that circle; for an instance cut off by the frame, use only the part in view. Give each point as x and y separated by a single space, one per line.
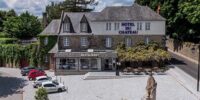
98 41
157 28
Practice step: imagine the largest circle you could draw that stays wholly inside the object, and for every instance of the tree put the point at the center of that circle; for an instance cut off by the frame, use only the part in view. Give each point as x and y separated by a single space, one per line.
182 17
41 94
54 10
23 26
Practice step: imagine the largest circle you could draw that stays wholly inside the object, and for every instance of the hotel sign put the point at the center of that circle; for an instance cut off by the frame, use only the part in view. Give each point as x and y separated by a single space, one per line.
128 28
89 55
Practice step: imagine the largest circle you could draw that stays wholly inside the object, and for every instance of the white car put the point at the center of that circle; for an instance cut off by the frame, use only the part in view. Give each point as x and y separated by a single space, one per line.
52 86
38 81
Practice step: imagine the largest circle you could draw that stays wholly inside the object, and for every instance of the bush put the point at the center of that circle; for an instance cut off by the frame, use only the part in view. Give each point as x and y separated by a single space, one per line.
41 94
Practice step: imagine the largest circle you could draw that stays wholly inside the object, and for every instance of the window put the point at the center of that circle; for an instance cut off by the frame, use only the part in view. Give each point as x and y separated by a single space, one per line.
84 63
66 27
66 41
94 64
84 41
83 27
139 26
49 85
116 26
45 40
128 42
67 64
147 40
46 59
147 26
108 42
108 26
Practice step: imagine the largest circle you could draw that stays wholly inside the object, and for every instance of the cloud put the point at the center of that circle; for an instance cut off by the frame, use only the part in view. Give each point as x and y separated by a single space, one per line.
36 7
103 3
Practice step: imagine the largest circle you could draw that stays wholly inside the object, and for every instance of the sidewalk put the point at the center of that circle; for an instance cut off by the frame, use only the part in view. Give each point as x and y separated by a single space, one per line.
188 58
188 82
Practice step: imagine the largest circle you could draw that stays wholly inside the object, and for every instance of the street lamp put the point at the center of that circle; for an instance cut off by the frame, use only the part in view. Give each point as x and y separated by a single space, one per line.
193 49
198 68
117 66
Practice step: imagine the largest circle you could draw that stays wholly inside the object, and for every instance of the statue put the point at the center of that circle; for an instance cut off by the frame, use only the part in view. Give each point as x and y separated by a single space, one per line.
150 88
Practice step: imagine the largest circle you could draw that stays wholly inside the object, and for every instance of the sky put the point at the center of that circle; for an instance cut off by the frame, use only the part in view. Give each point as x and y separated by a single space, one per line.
36 7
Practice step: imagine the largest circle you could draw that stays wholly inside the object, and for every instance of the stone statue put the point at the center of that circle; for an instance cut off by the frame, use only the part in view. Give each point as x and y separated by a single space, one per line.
150 88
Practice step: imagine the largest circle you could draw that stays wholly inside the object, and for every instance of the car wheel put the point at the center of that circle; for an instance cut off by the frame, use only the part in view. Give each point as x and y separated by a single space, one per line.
59 90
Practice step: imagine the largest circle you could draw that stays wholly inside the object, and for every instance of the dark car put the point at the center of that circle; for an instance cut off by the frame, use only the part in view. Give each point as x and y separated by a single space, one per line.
26 70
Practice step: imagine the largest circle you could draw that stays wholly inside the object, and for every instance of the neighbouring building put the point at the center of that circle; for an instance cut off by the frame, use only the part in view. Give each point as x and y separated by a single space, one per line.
87 40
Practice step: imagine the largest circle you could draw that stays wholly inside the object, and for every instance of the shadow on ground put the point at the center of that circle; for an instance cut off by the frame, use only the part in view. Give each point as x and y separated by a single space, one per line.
177 62
11 85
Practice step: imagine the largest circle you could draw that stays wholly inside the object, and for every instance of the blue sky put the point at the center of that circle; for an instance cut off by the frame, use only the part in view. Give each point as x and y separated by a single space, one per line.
36 7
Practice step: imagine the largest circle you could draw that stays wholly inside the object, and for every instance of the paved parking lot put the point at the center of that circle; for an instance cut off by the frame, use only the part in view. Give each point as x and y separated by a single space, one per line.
132 88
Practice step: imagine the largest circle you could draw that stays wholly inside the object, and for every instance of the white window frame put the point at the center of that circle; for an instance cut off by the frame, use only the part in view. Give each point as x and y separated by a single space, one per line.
116 26
66 41
128 42
108 26
46 59
84 41
66 27
147 40
108 42
45 40
147 26
83 27
139 25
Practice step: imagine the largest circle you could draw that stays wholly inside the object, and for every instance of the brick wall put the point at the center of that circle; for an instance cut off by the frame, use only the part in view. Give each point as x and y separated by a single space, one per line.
188 49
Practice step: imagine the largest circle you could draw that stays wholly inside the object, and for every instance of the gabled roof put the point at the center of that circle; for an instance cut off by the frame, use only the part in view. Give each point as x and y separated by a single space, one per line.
134 12
52 28
76 17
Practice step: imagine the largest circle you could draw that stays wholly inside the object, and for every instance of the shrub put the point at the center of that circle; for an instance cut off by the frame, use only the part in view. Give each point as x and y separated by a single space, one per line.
41 94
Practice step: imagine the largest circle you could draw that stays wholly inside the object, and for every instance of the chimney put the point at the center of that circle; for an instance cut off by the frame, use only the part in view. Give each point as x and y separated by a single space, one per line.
44 19
158 9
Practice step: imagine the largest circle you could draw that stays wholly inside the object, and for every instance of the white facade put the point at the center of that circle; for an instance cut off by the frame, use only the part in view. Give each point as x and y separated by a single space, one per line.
156 28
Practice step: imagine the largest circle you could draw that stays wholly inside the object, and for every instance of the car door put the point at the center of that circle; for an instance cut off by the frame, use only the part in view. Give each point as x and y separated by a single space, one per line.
50 87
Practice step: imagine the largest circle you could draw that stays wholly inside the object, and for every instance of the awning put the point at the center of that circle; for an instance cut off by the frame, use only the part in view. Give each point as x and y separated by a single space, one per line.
86 54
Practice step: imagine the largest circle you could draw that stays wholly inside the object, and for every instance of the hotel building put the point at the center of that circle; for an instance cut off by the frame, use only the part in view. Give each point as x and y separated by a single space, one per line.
87 40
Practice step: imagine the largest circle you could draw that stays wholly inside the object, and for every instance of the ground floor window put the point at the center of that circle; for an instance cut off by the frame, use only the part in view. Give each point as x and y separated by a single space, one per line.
87 63
67 63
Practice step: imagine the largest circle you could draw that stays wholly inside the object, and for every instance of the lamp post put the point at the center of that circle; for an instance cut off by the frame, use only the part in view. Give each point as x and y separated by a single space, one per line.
198 72
198 68
117 66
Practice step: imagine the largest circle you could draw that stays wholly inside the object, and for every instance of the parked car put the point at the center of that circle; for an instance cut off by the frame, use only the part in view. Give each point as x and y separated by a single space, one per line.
35 73
52 86
40 79
25 70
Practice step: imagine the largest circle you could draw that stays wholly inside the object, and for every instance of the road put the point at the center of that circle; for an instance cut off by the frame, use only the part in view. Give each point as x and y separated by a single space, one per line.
184 64
11 84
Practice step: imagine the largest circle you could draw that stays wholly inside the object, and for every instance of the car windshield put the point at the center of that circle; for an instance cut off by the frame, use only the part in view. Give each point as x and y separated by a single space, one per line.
56 83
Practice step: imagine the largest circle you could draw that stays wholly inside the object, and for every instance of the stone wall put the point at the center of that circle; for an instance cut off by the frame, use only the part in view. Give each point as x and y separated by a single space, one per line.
98 41
188 49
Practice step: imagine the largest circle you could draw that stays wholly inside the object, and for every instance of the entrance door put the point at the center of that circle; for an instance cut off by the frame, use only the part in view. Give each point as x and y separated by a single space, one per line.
108 64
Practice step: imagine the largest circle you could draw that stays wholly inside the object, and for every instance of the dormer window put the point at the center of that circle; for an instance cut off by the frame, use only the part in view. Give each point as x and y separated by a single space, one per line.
66 27
84 27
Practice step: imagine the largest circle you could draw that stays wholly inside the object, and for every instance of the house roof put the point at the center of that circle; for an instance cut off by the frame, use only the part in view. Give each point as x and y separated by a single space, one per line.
134 12
52 28
116 13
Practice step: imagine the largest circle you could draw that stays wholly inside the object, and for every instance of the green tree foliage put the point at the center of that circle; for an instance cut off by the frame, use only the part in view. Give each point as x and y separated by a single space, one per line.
54 10
41 94
183 17
4 15
23 26
143 52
